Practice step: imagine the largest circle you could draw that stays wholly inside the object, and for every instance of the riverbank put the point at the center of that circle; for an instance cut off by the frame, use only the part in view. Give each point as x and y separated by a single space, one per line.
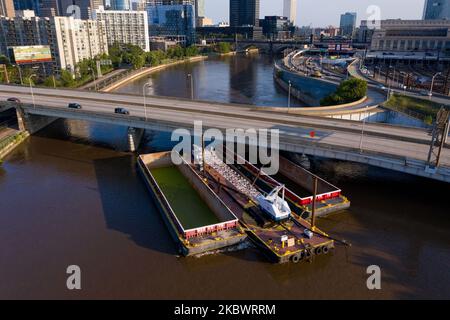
10 142
421 109
146 71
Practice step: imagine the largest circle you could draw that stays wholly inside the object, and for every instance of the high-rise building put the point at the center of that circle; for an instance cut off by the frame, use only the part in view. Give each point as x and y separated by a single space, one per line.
436 9
139 5
348 23
120 4
7 8
126 27
276 27
78 40
27 5
244 13
290 10
175 20
79 9
199 8
49 8
70 40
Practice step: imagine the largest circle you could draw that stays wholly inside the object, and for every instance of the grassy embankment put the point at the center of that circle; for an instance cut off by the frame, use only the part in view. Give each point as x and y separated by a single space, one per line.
423 109
13 139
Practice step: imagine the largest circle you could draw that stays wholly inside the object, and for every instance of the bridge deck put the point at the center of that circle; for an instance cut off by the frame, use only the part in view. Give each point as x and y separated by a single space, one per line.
389 146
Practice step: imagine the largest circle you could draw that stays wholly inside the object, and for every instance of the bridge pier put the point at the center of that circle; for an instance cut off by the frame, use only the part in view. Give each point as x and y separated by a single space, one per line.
32 123
134 138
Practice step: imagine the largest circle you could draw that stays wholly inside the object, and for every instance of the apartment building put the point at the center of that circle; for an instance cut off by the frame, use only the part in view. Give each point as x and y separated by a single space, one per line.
126 27
70 40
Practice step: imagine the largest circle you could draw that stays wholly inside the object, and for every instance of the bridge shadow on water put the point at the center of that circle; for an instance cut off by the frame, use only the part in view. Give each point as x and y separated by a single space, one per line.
128 207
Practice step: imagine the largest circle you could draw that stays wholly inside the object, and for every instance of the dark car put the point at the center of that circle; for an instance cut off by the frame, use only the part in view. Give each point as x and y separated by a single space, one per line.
74 106
16 100
121 111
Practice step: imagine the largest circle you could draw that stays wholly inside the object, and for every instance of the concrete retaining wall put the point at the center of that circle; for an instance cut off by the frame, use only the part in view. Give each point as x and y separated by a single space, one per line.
11 146
306 89
399 118
147 71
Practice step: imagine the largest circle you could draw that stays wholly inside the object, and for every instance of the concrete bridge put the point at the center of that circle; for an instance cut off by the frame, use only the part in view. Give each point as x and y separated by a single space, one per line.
397 148
273 46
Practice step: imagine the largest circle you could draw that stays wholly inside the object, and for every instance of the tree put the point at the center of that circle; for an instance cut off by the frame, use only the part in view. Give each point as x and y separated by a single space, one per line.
137 61
191 51
348 91
155 58
175 52
223 47
67 78
4 60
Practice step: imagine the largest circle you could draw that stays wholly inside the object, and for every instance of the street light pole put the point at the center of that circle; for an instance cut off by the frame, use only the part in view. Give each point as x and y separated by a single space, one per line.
31 89
145 103
93 79
192 85
362 133
432 84
289 95
20 74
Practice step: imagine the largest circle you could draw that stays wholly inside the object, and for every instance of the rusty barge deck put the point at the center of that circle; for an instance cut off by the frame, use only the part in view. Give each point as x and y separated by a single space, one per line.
282 241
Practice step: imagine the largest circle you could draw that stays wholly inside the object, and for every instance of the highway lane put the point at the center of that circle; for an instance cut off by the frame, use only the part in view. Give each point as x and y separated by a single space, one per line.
288 132
395 132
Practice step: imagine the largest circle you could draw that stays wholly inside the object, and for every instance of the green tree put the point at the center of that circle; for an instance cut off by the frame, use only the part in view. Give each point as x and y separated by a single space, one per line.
137 61
223 47
4 60
348 91
67 78
191 51
175 52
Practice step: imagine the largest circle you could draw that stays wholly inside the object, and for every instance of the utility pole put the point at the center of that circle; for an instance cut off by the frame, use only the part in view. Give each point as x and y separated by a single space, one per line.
432 84
446 82
192 85
440 130
313 210
5 70
289 96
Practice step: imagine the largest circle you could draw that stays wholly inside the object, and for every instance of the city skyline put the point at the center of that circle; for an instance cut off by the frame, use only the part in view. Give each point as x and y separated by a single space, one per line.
218 10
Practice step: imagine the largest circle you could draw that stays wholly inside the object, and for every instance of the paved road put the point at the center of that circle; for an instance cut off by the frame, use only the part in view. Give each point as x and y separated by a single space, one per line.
374 96
378 139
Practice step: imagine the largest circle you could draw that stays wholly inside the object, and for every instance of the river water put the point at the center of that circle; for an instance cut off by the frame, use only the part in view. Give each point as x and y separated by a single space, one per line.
68 195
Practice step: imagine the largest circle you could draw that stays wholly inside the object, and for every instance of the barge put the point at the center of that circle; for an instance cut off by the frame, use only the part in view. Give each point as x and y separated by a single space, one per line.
290 240
196 217
329 198
244 204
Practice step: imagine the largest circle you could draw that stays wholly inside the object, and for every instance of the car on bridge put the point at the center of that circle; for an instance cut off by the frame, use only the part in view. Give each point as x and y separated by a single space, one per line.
121 111
74 106
13 99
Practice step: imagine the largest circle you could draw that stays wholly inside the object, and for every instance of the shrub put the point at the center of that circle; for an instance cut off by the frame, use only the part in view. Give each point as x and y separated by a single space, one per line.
348 91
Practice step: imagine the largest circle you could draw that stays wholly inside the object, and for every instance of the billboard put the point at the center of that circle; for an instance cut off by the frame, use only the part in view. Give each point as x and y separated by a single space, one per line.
31 54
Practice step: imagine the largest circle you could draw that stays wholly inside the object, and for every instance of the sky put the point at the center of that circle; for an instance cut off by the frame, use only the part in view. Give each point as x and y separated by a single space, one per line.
321 13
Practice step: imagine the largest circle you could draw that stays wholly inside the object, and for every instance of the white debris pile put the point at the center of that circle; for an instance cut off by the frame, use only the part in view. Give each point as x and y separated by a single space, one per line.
238 181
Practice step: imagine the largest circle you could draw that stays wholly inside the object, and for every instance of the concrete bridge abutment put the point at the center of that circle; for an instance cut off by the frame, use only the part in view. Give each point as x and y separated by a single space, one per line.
32 123
134 138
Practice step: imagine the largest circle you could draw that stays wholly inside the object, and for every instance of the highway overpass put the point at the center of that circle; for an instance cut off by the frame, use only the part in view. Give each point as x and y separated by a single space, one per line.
397 148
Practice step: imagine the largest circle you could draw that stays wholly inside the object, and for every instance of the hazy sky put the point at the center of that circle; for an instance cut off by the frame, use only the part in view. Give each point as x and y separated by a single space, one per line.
325 12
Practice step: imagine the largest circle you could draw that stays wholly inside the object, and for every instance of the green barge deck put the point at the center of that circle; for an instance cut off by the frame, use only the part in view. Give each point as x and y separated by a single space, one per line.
196 218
